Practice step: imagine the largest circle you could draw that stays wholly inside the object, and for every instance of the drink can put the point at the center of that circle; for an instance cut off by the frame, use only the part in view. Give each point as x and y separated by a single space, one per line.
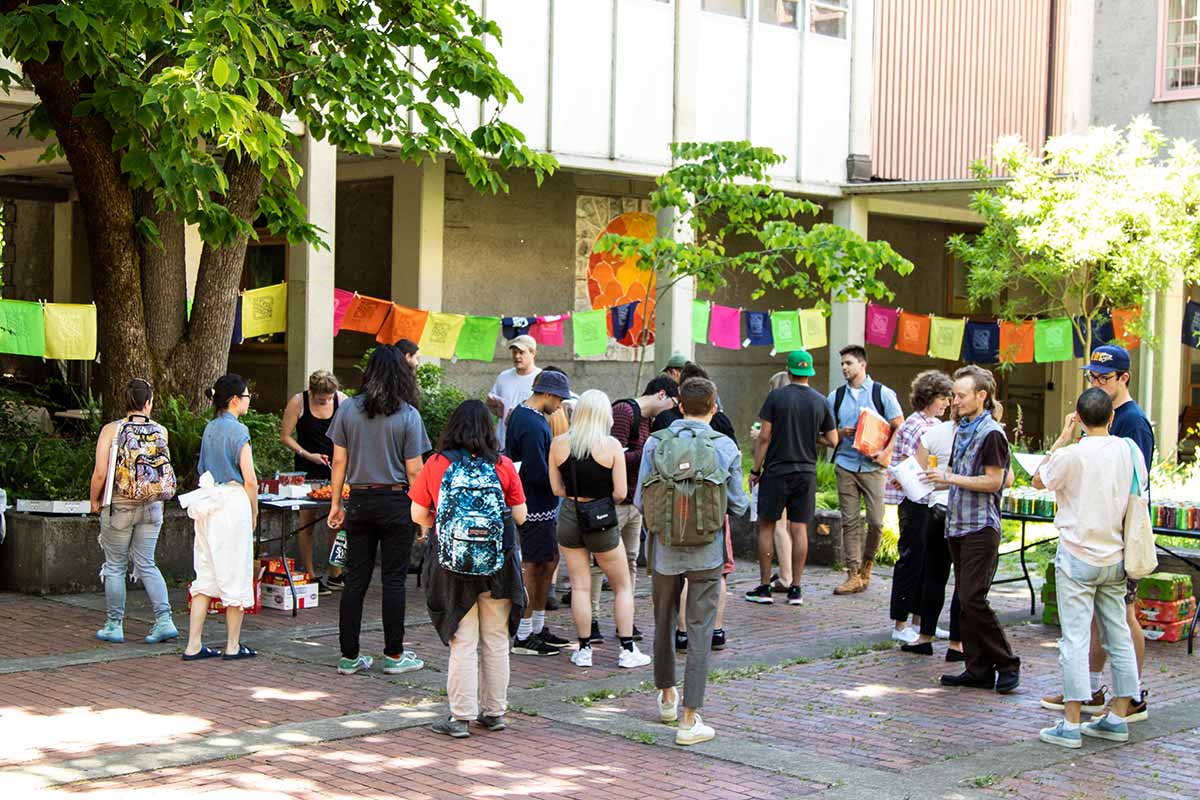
932 461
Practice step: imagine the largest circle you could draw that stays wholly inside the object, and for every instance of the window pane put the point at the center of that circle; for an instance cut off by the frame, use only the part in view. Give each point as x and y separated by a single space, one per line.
1189 78
1189 55
827 21
731 8
1172 56
778 12
1189 8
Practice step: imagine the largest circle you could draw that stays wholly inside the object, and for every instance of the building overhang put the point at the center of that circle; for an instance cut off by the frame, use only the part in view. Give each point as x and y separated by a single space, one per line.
941 200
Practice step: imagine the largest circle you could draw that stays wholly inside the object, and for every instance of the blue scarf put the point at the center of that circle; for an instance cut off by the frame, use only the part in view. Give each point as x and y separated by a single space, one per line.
964 435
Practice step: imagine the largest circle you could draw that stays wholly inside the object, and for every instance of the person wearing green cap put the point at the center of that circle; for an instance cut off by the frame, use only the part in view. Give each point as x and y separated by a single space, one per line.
674 366
795 419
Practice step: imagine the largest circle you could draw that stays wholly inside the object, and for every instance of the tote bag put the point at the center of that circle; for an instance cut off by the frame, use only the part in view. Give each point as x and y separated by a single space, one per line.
1140 557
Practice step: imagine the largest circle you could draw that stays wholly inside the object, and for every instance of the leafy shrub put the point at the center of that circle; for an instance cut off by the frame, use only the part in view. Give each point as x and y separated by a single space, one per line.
438 399
270 454
186 430
33 464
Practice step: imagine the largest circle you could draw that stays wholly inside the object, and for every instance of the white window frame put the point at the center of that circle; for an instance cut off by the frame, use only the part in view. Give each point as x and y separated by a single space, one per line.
1163 93
829 5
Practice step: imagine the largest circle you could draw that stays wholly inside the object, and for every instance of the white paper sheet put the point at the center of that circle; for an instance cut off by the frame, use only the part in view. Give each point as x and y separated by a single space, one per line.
1030 461
908 474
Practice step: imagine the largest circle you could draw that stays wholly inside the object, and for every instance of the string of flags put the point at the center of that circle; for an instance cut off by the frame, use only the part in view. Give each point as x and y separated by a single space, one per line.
65 331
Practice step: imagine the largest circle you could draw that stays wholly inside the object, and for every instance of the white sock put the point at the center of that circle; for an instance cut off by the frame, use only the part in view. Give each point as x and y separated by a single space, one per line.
1097 677
524 629
539 621
1071 726
1114 719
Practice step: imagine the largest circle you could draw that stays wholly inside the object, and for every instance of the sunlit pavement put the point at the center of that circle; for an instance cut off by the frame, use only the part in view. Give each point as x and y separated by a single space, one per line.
810 701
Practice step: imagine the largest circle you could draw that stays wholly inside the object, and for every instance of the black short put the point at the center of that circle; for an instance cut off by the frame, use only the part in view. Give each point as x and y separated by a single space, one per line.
539 541
795 491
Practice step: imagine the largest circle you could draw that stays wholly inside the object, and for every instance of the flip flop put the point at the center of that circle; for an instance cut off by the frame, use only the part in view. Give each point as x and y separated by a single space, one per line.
243 652
204 652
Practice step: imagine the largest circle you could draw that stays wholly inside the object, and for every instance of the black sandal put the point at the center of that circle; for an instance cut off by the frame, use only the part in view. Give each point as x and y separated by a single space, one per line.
203 653
243 652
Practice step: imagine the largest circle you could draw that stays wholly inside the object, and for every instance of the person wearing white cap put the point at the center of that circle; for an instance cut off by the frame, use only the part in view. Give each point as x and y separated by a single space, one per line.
515 385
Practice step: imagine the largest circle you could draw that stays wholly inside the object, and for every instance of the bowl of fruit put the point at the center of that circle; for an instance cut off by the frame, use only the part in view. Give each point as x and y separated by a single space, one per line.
326 492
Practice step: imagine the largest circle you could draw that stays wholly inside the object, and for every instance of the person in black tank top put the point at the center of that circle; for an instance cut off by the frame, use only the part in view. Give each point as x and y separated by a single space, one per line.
305 431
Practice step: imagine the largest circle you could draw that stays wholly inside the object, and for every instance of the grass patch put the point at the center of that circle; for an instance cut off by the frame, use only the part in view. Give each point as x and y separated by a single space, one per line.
984 781
859 650
719 676
598 695
639 736
542 684
526 710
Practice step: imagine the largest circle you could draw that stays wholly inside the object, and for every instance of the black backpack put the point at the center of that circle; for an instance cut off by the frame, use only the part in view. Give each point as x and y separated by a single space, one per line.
876 400
637 420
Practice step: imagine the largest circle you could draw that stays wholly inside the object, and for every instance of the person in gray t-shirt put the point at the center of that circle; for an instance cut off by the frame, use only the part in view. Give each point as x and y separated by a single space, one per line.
378 438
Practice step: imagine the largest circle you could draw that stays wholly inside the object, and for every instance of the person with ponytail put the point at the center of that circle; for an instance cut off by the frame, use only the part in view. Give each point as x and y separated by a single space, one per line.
225 510
131 479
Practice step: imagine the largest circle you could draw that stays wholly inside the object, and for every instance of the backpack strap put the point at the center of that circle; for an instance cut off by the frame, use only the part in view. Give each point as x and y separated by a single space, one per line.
636 423
877 397
837 404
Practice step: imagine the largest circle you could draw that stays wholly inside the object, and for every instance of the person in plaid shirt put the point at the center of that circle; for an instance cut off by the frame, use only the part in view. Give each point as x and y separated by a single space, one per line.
931 393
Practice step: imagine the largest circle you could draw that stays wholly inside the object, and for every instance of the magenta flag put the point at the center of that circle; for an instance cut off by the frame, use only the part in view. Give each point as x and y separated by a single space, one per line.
725 327
549 330
341 302
881 325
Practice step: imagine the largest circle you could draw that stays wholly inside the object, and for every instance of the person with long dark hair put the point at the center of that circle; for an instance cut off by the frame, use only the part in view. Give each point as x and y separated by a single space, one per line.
378 439
474 610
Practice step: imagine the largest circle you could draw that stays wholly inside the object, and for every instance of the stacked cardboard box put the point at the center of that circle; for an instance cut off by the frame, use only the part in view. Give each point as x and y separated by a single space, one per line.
1166 606
215 606
279 596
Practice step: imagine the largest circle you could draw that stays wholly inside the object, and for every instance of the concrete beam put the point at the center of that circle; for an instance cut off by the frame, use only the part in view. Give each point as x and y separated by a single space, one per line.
847 320
862 55
63 252
892 207
310 269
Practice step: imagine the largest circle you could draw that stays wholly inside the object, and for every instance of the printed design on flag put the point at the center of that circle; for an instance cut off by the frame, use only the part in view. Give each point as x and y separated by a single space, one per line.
263 308
910 329
879 325
440 331
981 339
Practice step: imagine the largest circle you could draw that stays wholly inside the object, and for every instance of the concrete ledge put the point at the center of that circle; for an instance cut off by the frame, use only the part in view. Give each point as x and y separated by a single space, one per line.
824 538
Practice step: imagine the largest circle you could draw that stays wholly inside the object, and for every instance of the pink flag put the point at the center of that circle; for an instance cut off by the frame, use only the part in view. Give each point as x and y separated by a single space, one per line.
549 330
341 302
881 325
725 327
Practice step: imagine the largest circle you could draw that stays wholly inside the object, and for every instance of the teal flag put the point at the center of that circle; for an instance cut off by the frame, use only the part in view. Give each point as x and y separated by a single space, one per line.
785 328
589 330
22 328
477 340
700 313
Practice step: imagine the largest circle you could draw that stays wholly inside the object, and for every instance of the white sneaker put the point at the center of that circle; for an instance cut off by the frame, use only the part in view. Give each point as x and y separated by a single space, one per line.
906 635
699 732
582 657
629 659
668 713
942 633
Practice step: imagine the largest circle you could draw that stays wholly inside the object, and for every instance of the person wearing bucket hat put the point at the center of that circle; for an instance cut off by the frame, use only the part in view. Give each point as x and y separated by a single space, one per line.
528 445
514 385
794 420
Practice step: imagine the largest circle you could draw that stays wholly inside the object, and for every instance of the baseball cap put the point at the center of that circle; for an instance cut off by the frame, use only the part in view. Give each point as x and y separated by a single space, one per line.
676 361
523 342
554 383
1108 358
801 363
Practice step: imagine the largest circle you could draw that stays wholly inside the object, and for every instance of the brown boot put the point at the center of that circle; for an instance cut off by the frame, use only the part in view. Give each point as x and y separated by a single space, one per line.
852 585
864 573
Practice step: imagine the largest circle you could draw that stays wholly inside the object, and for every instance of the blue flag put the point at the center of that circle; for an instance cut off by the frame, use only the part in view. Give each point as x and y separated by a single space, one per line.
981 342
237 322
1102 333
758 327
622 319
512 327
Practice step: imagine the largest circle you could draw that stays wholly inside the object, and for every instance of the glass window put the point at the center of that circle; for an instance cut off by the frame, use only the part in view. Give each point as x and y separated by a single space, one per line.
829 17
730 8
1179 56
778 12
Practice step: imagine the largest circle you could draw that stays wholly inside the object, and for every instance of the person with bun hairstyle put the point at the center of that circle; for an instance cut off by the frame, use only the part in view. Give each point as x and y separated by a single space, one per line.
226 515
130 519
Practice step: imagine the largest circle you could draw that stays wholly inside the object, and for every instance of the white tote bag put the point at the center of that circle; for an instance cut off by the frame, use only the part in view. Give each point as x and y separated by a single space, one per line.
1140 556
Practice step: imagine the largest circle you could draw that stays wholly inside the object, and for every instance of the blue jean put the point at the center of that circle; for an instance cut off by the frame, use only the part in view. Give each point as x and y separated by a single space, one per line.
1081 589
130 533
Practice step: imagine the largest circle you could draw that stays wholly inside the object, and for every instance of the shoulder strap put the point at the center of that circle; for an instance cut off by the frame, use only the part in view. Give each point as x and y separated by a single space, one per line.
1134 454
636 423
877 397
304 400
837 404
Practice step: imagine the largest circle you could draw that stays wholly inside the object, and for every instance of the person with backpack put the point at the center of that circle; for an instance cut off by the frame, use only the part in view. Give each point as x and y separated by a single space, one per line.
860 478
689 478
131 479
471 496
588 471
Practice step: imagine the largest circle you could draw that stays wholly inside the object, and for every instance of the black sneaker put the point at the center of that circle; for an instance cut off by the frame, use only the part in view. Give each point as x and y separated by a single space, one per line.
596 637
1008 680
637 635
551 639
323 588
761 595
336 582
718 642
533 646
777 585
795 596
967 680
680 641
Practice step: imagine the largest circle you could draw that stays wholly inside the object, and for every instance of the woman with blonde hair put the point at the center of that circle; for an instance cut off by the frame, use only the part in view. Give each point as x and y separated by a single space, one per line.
587 469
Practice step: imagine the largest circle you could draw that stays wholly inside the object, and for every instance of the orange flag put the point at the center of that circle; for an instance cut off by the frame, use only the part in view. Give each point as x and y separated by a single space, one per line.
912 333
1016 342
1121 319
365 314
402 323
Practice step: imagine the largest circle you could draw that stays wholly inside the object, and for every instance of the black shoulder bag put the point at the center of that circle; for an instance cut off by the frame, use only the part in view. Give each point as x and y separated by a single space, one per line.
596 515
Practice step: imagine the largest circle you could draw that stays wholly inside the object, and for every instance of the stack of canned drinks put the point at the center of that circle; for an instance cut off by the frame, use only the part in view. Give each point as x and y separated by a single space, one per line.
1177 514
1029 501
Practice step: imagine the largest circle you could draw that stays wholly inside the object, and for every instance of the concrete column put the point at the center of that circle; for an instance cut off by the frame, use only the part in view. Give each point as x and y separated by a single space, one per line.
1077 77
63 252
847 321
1168 369
310 269
418 222
862 54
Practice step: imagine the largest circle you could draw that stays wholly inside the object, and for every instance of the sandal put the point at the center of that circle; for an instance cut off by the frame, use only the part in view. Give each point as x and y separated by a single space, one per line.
243 652
203 653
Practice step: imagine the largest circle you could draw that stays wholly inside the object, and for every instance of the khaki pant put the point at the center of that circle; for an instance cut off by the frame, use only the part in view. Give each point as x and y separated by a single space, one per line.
629 519
484 628
854 487
703 595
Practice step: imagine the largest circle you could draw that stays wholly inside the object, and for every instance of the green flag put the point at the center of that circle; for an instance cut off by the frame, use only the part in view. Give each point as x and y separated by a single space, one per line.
22 328
1053 340
785 328
589 329
945 338
700 313
477 339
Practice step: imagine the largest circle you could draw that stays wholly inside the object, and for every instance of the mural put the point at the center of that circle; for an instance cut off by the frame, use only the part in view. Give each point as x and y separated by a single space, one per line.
613 280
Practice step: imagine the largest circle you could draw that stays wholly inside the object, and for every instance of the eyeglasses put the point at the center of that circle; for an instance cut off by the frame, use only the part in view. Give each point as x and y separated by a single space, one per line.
1101 378
246 395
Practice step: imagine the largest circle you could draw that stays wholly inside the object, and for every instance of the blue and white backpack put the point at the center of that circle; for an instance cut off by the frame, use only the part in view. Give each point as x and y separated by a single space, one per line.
470 516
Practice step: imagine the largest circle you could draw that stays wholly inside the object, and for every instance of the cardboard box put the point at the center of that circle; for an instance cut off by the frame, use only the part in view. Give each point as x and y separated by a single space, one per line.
1165 610
872 434
1165 586
54 506
276 565
279 579
279 598
1167 631
215 606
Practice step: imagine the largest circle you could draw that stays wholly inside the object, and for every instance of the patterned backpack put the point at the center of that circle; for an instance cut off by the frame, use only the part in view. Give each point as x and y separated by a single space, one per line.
470 516
142 471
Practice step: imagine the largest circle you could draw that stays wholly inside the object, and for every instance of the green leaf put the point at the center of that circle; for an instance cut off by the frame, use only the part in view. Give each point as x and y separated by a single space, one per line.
220 71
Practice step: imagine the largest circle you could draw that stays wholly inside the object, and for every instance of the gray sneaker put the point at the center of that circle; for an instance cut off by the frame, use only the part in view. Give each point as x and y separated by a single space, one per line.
1105 729
1062 737
491 723
454 728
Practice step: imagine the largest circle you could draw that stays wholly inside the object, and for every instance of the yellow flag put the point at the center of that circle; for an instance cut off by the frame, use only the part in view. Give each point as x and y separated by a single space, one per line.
264 311
812 328
70 331
946 337
440 336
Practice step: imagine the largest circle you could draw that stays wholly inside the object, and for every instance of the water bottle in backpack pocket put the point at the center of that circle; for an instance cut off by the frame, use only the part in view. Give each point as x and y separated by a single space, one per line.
470 516
684 498
142 470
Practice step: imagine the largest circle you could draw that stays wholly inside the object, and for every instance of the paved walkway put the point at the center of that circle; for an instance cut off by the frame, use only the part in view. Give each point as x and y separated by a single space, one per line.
807 702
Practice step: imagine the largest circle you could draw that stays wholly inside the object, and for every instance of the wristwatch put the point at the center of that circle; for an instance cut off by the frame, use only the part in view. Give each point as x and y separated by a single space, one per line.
756 472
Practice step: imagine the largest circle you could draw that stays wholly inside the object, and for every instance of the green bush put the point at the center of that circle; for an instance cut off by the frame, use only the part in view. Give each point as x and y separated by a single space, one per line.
270 454
186 430
438 399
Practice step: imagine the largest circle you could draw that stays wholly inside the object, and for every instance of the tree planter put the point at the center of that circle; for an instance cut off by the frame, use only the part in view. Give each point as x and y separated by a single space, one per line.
824 538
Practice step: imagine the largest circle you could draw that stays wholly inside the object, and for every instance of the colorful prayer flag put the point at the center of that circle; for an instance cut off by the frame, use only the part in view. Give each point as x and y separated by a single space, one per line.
589 329
477 340
71 331
812 329
236 337
725 327
700 312
22 328
402 323
912 333
1122 318
441 334
1017 342
1052 340
981 343
341 304
946 338
549 330
621 319
881 325
366 315
1102 333
758 328
512 327
264 311
785 331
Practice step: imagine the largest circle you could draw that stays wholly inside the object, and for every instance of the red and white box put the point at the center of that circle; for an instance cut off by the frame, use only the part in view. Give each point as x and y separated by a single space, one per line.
280 598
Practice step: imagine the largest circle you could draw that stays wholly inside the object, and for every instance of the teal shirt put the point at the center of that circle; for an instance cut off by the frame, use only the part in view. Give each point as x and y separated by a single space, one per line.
221 446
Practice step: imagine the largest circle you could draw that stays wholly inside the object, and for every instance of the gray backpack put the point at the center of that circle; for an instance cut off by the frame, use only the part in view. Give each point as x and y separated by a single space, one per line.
684 498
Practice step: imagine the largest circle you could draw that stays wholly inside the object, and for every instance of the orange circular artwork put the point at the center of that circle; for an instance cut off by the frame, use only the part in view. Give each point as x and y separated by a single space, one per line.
614 280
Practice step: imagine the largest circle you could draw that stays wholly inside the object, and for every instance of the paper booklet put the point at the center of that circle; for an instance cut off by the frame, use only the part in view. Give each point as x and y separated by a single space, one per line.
1030 461
872 434
909 475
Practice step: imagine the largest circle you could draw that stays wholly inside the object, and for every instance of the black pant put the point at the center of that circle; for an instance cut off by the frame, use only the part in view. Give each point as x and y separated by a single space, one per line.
976 557
936 573
376 518
910 566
